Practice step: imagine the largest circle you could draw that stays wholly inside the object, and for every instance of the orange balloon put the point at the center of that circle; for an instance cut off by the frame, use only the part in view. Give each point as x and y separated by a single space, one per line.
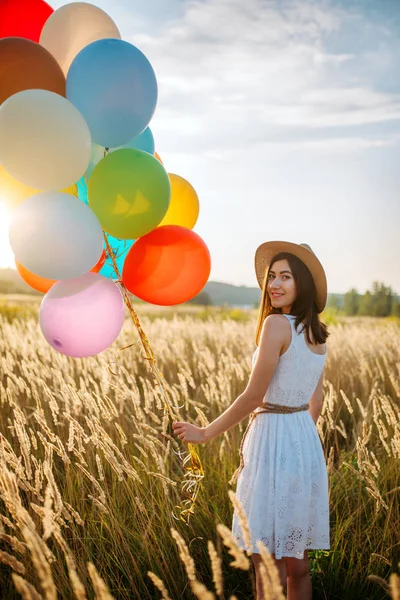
41 284
99 263
26 65
157 156
168 266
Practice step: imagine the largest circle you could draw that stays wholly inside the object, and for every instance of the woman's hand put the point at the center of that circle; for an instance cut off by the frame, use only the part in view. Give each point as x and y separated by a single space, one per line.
189 433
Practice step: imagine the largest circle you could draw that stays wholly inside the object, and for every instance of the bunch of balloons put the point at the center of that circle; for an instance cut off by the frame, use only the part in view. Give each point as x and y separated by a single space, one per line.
78 167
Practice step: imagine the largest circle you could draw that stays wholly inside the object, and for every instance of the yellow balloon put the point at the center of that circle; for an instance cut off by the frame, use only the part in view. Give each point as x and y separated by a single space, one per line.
72 189
184 204
13 192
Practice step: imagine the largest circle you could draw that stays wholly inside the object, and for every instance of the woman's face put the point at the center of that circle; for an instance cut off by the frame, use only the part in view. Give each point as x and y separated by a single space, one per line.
281 282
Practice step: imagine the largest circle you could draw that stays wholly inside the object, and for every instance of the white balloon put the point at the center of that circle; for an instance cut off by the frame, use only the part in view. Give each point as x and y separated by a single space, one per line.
72 27
44 140
56 235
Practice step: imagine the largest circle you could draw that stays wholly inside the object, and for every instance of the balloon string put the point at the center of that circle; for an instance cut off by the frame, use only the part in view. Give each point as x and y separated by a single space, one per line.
194 472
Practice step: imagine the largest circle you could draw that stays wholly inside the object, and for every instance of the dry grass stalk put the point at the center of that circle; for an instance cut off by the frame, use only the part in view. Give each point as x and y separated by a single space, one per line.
77 585
7 521
122 435
48 520
140 504
163 477
381 582
24 441
241 561
40 563
16 544
102 507
100 588
159 585
216 566
102 496
394 583
272 572
78 519
100 468
39 510
244 524
26 589
200 590
266 583
184 555
10 494
11 561
221 451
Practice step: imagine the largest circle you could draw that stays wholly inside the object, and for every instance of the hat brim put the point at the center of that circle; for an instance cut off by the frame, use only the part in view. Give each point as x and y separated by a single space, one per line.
266 252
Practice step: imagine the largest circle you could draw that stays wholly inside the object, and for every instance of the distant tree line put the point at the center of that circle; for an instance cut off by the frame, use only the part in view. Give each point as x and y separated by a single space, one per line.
203 298
381 301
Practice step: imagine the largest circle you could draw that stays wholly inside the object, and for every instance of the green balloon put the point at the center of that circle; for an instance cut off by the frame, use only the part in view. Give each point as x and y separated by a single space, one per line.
129 191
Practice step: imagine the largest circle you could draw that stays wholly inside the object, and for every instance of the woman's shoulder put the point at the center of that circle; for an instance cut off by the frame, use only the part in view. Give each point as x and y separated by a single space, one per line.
278 319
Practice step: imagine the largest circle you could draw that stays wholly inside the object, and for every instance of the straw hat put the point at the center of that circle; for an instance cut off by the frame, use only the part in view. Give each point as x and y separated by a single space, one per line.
266 252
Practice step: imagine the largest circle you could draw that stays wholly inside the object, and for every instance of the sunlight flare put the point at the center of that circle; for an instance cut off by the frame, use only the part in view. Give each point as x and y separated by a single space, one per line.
6 254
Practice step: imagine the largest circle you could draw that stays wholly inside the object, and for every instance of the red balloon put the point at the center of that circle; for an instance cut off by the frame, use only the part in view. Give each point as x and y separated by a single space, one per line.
168 266
23 18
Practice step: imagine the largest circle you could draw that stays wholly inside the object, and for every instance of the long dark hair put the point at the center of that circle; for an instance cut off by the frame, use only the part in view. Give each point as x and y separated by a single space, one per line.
304 306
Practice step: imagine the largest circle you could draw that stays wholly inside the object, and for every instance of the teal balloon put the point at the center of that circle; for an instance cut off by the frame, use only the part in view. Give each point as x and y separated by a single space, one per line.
82 190
144 141
120 249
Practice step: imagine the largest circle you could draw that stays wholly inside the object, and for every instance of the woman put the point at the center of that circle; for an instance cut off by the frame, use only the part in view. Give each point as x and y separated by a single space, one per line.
282 480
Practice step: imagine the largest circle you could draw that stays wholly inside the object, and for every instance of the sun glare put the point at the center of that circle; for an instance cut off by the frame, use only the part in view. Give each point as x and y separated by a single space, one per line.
6 254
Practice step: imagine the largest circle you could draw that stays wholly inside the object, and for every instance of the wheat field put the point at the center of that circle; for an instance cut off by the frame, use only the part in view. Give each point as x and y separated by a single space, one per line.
90 471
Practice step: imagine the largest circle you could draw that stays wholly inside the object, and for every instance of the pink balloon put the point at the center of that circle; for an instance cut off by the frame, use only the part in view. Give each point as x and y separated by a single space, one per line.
83 316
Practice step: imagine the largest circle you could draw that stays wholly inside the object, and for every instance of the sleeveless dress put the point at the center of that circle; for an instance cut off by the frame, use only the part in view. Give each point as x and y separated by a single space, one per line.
283 486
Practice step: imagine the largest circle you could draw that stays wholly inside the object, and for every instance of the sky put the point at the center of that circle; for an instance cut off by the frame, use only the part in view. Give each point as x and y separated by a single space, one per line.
285 117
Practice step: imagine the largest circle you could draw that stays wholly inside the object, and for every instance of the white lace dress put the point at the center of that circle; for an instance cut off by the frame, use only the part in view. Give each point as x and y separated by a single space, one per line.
284 483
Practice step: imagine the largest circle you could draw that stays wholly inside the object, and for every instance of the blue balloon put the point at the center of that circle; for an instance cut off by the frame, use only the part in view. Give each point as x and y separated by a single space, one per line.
113 85
144 141
120 249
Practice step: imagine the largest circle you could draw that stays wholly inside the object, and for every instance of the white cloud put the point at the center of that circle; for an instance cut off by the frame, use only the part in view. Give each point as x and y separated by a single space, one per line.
227 69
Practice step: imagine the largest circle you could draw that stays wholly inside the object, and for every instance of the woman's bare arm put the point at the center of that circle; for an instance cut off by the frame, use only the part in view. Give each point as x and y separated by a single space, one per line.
316 400
272 338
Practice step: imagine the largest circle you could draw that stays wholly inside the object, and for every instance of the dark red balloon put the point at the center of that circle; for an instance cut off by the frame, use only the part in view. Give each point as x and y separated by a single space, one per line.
26 65
168 266
23 18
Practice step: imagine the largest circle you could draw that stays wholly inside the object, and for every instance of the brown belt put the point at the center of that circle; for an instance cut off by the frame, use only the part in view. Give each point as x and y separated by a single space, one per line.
265 407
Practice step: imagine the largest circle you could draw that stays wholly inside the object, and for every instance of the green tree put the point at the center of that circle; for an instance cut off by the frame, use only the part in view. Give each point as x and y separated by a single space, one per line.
395 307
366 304
351 302
333 301
203 298
382 299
